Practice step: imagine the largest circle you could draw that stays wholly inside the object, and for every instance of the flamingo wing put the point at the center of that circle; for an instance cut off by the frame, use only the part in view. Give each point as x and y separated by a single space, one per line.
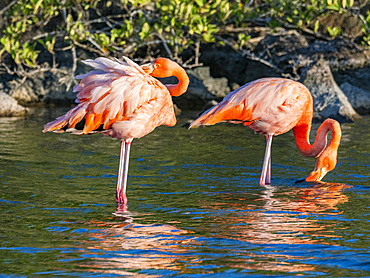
268 105
110 93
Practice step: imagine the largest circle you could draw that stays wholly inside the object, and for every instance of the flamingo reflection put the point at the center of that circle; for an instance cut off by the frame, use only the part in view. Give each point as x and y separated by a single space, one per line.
276 216
280 214
155 246
132 247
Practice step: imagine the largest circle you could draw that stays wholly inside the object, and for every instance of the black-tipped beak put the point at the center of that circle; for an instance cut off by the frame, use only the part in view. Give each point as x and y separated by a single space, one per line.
148 68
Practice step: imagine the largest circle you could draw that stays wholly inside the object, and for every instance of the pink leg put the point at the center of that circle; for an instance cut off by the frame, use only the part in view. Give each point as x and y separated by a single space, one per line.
268 174
266 168
122 172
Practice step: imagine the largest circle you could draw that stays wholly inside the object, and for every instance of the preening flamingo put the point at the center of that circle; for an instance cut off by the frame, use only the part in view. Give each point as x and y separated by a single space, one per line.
273 106
124 101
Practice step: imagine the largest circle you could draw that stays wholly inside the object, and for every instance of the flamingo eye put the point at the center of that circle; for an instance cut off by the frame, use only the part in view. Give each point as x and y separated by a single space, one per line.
156 65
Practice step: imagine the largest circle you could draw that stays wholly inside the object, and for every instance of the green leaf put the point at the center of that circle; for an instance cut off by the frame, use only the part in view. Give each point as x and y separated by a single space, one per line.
200 3
37 6
316 26
333 32
146 27
40 41
29 63
6 42
334 7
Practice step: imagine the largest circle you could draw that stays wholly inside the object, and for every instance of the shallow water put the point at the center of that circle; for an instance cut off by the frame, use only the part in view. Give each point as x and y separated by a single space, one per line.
195 206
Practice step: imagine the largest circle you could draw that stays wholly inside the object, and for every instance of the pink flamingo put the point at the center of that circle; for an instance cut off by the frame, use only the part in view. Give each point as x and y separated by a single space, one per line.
273 106
124 101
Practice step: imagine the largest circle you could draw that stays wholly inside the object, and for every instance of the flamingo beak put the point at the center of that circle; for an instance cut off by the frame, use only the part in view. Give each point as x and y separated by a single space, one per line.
317 174
148 68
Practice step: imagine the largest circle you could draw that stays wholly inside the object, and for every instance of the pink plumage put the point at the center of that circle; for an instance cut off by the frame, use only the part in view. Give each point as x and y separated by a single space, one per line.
125 101
263 105
273 106
121 97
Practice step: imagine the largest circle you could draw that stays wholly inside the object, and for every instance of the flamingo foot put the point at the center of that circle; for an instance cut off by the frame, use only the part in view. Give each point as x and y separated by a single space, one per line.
121 197
121 210
265 182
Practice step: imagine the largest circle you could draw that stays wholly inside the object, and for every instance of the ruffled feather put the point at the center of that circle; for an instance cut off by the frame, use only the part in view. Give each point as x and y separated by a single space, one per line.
112 92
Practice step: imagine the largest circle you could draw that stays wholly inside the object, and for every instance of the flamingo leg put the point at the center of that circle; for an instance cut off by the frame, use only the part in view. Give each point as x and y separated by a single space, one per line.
268 174
266 168
122 172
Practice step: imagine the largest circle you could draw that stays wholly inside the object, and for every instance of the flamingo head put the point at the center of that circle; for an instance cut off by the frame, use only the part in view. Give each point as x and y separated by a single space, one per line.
317 174
163 67
324 164
160 67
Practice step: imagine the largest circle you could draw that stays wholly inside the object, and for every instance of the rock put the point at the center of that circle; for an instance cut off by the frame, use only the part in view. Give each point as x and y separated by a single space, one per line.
290 49
291 53
281 45
341 54
216 86
202 89
283 50
227 62
194 98
10 107
45 87
328 99
359 98
177 110
60 96
23 93
358 77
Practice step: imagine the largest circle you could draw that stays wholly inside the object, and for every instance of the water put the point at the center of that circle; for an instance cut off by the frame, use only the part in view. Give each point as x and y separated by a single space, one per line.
195 206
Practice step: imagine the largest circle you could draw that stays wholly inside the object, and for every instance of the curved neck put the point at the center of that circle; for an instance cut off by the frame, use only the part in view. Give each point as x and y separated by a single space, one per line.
181 87
302 134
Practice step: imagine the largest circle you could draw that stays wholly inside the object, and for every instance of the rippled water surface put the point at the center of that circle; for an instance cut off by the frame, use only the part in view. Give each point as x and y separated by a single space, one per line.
195 206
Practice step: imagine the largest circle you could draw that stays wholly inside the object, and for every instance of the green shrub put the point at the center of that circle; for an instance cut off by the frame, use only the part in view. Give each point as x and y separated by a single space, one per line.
123 27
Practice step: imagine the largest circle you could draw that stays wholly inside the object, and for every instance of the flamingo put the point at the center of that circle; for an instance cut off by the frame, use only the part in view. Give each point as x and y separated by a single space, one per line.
124 101
273 106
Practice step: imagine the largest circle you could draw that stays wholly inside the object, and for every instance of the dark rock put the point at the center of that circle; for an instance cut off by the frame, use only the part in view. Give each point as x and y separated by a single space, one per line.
328 99
340 54
358 77
202 89
359 98
226 62
218 87
45 87
10 107
283 51
291 53
281 45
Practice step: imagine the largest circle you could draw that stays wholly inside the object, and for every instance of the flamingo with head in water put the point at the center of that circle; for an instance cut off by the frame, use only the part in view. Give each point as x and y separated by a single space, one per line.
273 106
124 101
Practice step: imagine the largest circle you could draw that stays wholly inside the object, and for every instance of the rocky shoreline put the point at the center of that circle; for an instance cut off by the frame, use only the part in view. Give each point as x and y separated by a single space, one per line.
337 73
